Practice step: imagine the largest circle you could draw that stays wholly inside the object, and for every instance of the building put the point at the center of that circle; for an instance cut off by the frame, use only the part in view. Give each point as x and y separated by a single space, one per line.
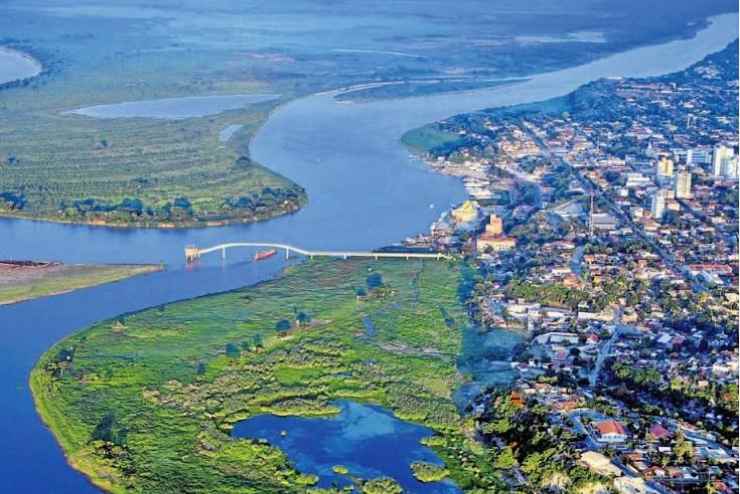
495 225
664 167
724 162
466 213
698 156
604 222
636 180
658 433
658 204
729 168
610 431
492 238
495 244
682 186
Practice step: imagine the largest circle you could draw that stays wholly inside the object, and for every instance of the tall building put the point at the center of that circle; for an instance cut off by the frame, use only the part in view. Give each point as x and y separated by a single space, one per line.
683 185
658 205
698 156
493 239
495 225
664 167
729 167
724 161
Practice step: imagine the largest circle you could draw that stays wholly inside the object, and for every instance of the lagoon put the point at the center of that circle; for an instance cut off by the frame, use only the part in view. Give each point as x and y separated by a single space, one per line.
174 108
16 65
366 439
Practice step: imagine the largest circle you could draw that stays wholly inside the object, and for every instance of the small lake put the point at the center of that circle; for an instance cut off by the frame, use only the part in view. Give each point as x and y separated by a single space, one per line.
366 439
15 65
174 108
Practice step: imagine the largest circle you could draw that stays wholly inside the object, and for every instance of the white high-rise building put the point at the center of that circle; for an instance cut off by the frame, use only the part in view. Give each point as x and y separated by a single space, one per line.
683 185
724 162
657 208
698 156
729 168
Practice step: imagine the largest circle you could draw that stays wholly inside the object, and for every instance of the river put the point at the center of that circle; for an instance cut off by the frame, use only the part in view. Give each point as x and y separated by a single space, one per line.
364 191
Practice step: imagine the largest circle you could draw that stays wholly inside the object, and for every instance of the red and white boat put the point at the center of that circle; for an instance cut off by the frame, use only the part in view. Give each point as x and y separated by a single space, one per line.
262 255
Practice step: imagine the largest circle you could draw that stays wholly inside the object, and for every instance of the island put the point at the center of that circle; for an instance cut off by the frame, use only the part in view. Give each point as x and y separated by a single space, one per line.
26 280
146 402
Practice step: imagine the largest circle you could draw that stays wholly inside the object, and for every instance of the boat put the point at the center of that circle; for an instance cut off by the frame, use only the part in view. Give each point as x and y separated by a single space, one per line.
262 255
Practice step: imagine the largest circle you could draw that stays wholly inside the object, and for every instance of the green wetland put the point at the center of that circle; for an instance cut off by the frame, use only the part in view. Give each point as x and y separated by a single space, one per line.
147 402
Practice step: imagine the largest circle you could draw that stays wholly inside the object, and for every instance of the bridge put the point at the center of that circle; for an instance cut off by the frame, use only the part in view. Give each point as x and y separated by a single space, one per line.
192 253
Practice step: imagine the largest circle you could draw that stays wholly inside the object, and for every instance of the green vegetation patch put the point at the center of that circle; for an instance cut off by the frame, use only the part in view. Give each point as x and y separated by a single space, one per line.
146 402
136 171
429 139
428 472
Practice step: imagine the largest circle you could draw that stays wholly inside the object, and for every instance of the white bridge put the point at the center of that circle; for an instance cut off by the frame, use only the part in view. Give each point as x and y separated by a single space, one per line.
192 252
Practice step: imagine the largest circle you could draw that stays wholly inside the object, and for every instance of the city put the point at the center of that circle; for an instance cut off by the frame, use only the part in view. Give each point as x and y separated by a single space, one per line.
608 233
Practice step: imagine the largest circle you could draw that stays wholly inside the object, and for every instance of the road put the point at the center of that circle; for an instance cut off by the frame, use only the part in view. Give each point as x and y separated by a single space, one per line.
617 211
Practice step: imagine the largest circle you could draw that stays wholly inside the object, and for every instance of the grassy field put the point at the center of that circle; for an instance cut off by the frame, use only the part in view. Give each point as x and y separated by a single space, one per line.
145 402
426 139
66 279
137 171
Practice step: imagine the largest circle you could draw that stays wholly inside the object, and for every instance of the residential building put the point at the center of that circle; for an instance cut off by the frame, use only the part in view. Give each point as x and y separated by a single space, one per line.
724 161
664 167
658 204
610 431
683 185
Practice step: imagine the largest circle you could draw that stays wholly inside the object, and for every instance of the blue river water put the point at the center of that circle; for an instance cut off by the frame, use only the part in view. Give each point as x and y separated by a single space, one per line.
367 440
364 189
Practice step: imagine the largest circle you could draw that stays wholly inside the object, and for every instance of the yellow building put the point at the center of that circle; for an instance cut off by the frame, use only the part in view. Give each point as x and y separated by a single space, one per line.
665 167
495 225
466 213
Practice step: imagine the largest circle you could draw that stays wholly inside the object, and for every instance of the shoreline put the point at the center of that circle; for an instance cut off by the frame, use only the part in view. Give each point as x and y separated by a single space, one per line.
134 270
38 67
196 225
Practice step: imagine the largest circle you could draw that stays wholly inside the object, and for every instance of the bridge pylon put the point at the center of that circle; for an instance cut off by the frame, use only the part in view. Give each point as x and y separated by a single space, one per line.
192 253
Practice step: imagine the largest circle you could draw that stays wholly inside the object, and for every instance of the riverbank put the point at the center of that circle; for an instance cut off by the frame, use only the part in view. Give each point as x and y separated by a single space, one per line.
288 207
27 280
170 382
17 68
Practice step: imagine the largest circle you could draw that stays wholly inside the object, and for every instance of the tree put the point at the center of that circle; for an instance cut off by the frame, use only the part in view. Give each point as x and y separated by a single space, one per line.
232 351
283 326
683 448
302 318
106 430
374 281
505 459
